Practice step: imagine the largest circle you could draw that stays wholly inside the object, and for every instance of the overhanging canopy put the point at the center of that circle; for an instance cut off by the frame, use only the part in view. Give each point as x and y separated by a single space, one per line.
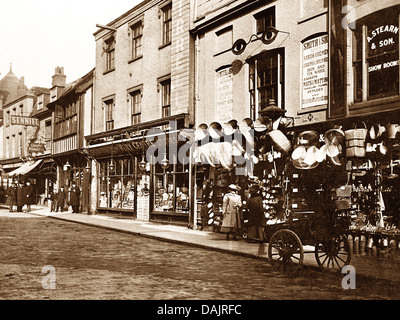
25 168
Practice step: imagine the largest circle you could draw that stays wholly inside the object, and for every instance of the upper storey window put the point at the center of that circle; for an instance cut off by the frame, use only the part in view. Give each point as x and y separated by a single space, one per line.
136 40
376 56
167 23
109 48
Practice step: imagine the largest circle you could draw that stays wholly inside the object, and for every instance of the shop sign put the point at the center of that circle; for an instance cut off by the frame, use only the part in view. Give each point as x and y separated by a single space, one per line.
315 72
25 121
224 96
36 147
381 40
383 37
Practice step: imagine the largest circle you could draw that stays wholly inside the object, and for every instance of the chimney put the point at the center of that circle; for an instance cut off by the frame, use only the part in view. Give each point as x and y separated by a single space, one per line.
59 78
21 89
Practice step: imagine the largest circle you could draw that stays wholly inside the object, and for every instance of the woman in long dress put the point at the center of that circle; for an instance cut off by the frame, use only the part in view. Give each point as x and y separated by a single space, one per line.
230 208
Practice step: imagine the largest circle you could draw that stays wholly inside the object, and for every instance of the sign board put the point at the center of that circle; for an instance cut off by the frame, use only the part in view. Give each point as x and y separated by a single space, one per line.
224 95
24 121
315 72
36 147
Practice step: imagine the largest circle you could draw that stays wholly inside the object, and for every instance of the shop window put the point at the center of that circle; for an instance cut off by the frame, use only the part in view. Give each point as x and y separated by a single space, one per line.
167 24
117 187
136 40
376 56
171 189
109 48
265 19
266 80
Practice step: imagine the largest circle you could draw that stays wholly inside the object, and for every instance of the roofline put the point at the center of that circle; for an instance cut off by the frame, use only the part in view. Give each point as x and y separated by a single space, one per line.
127 13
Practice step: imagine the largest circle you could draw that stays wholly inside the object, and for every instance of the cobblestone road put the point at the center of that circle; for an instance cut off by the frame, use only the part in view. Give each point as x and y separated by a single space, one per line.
92 263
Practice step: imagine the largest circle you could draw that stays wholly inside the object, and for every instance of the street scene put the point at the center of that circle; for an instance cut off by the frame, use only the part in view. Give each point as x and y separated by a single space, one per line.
200 150
92 263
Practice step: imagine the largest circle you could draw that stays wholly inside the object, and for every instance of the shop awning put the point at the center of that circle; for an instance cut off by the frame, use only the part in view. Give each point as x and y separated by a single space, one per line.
25 168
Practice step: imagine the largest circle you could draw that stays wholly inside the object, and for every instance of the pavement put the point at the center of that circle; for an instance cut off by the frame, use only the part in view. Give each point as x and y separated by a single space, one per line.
377 268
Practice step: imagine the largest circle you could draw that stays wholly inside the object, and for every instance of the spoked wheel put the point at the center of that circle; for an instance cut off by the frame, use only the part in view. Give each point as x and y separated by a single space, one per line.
333 253
285 251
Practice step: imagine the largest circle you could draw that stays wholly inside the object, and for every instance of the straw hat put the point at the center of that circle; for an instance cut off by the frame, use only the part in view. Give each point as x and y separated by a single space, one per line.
262 124
233 187
215 130
230 127
201 132
245 124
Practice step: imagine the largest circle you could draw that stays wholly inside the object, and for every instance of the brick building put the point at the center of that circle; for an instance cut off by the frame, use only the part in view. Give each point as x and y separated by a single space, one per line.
143 81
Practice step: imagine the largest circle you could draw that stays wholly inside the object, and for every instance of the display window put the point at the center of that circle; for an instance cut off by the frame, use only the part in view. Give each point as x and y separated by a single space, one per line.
117 186
171 188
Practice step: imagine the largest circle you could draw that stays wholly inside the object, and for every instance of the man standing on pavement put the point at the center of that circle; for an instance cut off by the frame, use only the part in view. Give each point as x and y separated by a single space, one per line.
75 193
21 197
29 195
61 196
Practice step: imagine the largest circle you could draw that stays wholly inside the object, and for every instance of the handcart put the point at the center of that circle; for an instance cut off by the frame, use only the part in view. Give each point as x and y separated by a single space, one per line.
323 234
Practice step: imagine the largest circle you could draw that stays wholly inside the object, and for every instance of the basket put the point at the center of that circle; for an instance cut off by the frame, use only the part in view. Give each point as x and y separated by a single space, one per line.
355 142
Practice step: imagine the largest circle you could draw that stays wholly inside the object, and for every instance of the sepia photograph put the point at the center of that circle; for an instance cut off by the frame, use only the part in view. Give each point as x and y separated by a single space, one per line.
200 158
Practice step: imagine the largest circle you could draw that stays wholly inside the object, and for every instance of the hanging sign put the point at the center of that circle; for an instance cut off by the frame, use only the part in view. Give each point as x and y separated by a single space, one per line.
315 72
24 121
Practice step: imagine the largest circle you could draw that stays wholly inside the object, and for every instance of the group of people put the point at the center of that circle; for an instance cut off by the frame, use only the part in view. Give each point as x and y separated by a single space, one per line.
254 211
20 196
60 198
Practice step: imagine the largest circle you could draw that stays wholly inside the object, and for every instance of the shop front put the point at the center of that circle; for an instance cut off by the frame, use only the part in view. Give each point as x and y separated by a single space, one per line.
345 169
138 173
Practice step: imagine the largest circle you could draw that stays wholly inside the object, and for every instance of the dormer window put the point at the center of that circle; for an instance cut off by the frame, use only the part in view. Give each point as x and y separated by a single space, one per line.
40 102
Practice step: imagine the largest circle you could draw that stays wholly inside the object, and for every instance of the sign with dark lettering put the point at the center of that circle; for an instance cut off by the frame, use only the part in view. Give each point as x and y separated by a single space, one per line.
24 121
315 72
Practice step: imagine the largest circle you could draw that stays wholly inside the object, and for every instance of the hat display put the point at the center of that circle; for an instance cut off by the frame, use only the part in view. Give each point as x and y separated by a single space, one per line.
215 130
262 124
201 132
230 127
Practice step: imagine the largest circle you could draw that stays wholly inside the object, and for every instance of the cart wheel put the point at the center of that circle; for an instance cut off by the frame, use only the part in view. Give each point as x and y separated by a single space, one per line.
285 251
333 253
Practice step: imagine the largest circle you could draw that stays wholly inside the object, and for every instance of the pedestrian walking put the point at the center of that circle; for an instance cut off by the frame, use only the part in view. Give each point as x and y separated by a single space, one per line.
230 207
255 215
61 196
12 197
54 195
29 195
75 193
21 196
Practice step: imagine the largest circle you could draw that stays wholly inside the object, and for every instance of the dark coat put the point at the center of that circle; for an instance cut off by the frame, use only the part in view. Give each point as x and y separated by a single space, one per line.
12 194
255 210
74 196
21 196
61 196
29 194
